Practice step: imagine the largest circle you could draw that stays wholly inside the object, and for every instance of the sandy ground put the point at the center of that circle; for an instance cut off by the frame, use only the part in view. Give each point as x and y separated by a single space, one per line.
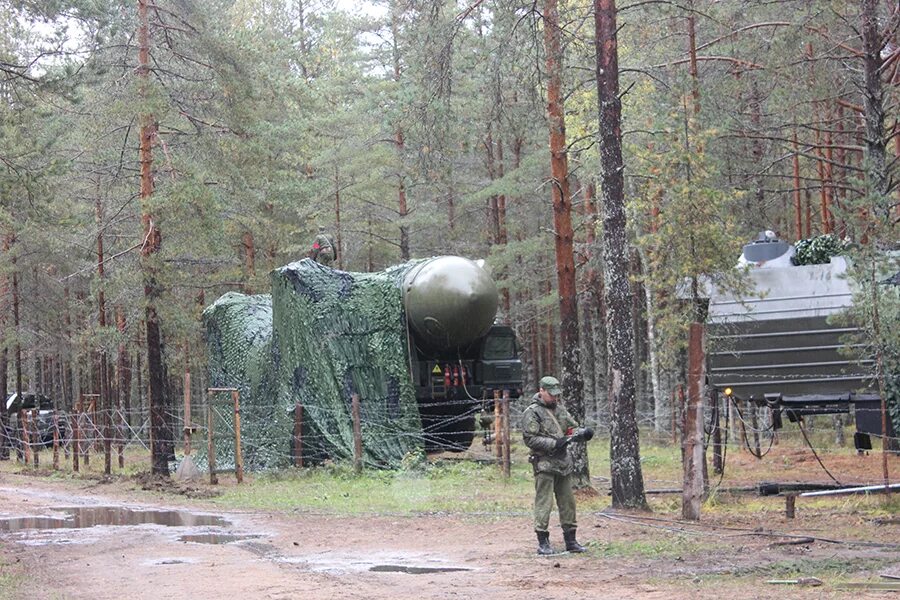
304 555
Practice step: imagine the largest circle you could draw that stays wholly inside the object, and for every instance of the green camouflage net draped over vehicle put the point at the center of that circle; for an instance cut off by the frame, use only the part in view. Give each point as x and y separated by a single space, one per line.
239 343
339 333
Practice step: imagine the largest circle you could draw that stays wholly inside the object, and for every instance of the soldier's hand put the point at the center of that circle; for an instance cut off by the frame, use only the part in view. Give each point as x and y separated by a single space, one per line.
560 442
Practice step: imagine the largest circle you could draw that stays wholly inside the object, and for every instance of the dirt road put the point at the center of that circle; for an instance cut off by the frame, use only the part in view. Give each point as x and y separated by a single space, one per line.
304 555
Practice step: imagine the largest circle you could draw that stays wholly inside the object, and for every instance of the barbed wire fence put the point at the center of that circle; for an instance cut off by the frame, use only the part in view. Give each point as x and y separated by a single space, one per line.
78 439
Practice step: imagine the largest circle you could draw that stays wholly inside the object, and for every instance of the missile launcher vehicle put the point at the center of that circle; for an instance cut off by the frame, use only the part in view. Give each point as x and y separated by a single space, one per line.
417 343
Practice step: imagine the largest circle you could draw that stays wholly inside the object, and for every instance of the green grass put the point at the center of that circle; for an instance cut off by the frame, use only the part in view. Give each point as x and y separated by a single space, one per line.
458 487
830 568
11 579
669 547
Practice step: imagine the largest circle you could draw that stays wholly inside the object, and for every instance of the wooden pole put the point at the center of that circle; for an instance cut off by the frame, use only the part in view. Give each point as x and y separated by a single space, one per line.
718 457
55 441
36 451
92 421
798 208
506 458
692 493
26 446
76 444
187 413
357 434
789 505
498 443
238 459
674 416
298 436
210 444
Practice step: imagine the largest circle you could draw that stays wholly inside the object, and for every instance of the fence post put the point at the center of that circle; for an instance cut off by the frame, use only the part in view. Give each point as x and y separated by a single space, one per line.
506 458
357 434
238 458
26 446
210 444
55 441
498 442
36 426
187 413
298 435
76 433
121 432
674 415
718 456
693 457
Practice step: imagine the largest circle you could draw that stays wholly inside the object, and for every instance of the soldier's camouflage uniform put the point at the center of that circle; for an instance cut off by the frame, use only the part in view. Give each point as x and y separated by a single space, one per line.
541 427
324 250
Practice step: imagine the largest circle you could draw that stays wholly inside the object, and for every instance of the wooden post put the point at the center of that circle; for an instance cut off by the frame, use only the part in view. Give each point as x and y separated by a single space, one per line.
357 434
692 493
789 505
718 457
26 445
95 438
506 459
674 415
36 451
89 429
298 436
498 443
55 441
210 444
187 413
238 459
76 433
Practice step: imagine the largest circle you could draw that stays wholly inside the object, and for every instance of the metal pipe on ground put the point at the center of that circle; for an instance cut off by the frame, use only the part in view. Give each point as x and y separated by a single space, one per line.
866 489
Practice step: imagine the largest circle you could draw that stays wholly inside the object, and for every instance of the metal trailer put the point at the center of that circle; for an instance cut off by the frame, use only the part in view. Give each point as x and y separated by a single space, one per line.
783 347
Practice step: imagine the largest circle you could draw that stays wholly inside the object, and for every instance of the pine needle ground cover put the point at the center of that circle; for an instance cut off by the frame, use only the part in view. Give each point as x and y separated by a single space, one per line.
321 337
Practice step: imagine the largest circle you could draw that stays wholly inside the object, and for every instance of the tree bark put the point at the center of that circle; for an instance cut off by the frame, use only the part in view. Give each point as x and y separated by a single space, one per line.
4 360
399 142
103 389
873 104
573 386
161 433
798 214
625 465
339 251
123 383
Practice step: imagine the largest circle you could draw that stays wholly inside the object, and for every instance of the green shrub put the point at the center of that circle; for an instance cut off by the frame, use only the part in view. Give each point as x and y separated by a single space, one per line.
819 250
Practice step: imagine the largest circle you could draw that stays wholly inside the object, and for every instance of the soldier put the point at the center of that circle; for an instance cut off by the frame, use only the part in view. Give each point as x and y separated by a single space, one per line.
324 250
548 428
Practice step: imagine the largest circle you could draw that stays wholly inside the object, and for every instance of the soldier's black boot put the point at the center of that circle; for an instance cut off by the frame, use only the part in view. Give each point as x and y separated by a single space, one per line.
544 547
572 544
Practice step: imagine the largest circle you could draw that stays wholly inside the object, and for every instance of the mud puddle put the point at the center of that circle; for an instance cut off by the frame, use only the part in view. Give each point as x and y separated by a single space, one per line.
338 563
415 570
115 516
216 538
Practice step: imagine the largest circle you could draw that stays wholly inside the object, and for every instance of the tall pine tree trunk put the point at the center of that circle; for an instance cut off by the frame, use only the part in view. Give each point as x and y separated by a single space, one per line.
399 142
625 462
161 433
4 361
103 388
573 386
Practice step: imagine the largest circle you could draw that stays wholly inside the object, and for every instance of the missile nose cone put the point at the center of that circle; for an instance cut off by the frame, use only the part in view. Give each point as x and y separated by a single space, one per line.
450 301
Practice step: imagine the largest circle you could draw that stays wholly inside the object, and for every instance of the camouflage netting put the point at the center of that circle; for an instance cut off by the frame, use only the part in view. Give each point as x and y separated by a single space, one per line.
239 342
339 333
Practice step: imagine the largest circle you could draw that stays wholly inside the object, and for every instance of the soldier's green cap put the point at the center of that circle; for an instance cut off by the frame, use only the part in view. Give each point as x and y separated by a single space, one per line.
551 384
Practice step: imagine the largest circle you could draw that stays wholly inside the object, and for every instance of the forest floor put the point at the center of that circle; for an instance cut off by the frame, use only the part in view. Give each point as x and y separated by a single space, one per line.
741 544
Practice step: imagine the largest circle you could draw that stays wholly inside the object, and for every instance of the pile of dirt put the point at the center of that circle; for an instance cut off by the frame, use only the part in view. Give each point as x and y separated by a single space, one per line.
156 483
